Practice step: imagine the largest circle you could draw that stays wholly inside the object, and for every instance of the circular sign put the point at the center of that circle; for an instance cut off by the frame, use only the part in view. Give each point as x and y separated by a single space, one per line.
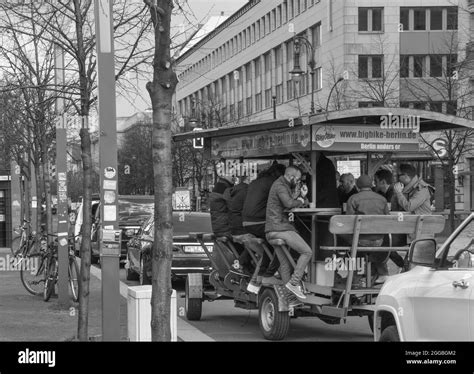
439 147
109 197
109 172
325 136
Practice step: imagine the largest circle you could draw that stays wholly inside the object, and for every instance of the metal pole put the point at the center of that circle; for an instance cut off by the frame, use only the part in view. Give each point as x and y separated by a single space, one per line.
61 172
274 99
311 111
109 255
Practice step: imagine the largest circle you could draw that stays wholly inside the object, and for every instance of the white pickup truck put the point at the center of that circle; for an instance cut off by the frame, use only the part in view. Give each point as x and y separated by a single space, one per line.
434 300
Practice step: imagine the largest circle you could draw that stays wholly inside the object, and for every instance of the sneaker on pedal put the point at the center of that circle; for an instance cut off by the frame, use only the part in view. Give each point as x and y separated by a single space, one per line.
296 289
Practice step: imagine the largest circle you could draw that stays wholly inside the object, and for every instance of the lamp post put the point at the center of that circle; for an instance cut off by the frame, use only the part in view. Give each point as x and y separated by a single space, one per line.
297 73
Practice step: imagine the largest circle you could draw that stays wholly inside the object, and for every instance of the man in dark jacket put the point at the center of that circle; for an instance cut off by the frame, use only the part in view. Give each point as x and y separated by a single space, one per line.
235 197
384 184
347 188
326 191
254 211
278 226
220 219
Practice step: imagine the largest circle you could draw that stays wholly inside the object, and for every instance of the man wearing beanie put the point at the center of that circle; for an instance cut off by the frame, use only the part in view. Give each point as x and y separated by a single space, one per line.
370 203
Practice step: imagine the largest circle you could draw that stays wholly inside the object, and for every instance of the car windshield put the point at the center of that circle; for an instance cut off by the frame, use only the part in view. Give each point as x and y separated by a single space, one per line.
135 210
464 240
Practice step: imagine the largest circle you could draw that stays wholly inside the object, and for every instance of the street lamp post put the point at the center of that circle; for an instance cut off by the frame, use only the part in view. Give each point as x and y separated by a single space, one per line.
297 73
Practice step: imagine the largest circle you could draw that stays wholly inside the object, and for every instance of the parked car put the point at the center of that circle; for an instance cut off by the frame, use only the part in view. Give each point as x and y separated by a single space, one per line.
132 212
434 300
188 255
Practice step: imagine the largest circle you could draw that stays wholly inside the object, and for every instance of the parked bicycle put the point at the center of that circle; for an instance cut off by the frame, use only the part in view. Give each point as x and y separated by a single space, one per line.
31 264
52 272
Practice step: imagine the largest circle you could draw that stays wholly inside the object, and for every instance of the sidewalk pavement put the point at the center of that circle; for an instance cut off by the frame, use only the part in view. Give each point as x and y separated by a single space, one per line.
25 317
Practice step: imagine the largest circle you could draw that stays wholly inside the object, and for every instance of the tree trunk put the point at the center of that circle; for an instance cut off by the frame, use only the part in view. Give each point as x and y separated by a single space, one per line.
39 193
27 200
83 320
47 193
161 93
452 194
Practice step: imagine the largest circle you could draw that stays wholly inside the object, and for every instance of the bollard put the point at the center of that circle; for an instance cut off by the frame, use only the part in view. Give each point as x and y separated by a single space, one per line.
139 314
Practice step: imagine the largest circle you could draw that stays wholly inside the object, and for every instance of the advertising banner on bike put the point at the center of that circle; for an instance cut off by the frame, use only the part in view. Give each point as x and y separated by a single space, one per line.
364 138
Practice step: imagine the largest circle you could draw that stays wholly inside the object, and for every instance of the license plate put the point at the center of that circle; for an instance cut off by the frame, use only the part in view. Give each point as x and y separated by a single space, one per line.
195 249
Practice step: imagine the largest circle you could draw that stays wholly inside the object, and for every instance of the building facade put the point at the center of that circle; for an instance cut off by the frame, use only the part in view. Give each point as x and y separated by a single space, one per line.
408 53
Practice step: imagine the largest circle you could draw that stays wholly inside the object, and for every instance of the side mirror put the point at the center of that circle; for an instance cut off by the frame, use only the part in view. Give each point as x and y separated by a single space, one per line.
423 252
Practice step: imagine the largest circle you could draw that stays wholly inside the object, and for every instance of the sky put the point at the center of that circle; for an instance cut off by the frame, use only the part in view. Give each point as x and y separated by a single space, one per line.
198 13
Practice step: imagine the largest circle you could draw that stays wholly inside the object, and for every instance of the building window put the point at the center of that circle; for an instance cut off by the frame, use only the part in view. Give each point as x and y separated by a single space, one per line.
274 21
279 93
452 22
404 104
377 62
278 57
258 68
370 66
451 64
436 22
240 109
297 10
404 66
249 105
436 106
420 19
284 12
290 9
377 19
405 18
268 98
419 62
419 105
289 89
258 102
278 16
316 31
232 112
268 63
370 104
317 83
436 66
452 107
363 66
371 19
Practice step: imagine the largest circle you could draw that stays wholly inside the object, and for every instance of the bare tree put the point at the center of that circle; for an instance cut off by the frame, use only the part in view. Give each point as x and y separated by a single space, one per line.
161 92
383 89
447 87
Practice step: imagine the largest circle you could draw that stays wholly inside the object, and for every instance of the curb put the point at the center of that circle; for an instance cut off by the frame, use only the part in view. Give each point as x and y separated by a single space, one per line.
186 332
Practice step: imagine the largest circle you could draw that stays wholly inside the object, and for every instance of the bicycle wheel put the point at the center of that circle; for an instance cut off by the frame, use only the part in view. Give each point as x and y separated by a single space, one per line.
33 273
50 281
73 278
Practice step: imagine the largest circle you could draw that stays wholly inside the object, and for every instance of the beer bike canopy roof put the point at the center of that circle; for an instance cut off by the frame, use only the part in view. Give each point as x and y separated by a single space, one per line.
354 130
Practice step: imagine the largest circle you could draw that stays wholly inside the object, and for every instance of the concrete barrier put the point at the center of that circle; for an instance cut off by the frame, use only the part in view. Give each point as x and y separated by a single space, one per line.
139 314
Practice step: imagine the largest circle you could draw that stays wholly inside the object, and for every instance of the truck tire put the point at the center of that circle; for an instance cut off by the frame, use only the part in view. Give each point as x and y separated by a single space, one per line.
192 305
390 334
274 325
